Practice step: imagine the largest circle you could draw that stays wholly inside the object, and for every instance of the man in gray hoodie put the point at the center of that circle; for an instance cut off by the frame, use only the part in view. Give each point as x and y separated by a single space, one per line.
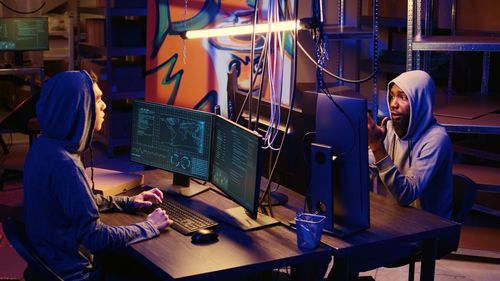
411 153
60 210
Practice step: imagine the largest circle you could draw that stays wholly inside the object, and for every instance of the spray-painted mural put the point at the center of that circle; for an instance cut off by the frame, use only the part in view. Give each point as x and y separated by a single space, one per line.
193 73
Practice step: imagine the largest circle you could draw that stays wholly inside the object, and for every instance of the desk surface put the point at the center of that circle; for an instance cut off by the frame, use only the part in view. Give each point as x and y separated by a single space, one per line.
389 223
173 255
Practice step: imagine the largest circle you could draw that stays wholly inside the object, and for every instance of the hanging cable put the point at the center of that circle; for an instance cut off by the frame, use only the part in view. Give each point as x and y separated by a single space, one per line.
22 12
92 168
259 65
330 73
252 54
292 98
262 82
274 84
351 123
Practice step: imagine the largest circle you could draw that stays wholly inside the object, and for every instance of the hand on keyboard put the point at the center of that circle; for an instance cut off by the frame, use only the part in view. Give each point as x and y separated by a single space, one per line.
148 198
159 219
186 220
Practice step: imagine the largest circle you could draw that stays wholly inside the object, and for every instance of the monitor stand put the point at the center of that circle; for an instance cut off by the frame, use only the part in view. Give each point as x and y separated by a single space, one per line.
181 185
238 217
342 231
277 198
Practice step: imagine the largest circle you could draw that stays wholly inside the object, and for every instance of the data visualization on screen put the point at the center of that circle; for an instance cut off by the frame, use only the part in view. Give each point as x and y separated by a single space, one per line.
24 34
172 138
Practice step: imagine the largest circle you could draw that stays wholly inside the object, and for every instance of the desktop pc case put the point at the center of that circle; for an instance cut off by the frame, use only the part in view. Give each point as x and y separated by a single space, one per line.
339 164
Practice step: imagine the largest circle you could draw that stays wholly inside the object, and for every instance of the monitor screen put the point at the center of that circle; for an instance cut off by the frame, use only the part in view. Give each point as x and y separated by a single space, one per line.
174 139
341 126
24 34
236 168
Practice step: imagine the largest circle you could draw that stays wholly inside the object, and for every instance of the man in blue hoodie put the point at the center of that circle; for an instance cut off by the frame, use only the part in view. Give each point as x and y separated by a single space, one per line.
61 212
411 153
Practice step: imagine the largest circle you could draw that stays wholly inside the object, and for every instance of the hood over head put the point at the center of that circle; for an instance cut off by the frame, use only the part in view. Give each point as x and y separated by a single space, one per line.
420 90
66 110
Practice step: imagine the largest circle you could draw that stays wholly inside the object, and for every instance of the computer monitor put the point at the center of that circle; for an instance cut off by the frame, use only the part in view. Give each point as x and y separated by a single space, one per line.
174 139
236 171
339 160
20 34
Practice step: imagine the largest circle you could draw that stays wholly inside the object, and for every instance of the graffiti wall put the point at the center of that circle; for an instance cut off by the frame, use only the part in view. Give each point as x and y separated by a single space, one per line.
193 73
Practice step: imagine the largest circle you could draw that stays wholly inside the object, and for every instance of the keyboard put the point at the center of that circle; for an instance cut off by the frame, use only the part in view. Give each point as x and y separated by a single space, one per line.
186 220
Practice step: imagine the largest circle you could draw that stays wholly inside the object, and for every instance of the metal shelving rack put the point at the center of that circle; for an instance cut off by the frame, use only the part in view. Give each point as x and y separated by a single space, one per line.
113 89
420 40
340 31
62 52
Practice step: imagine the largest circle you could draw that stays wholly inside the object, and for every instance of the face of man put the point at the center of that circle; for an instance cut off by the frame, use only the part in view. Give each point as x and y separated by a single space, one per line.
99 108
400 110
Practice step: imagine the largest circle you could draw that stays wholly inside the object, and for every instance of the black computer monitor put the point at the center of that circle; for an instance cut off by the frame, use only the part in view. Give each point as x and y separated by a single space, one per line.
236 170
339 160
20 34
174 139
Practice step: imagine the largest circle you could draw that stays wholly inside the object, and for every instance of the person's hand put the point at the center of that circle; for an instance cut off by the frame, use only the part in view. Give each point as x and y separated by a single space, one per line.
147 198
159 219
376 136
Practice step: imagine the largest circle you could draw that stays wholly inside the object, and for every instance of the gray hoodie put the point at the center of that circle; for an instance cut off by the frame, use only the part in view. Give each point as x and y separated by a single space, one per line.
61 212
418 170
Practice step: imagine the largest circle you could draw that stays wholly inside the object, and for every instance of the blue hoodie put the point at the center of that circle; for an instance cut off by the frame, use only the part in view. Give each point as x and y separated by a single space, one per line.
418 170
61 212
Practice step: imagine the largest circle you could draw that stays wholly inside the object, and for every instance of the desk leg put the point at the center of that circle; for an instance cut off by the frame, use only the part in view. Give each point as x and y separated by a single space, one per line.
314 270
428 260
341 270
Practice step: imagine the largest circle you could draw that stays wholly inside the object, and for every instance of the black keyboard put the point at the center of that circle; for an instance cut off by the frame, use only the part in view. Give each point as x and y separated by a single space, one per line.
186 220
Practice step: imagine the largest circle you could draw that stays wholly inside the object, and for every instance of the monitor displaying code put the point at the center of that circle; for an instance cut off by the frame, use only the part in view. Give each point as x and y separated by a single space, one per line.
235 164
24 34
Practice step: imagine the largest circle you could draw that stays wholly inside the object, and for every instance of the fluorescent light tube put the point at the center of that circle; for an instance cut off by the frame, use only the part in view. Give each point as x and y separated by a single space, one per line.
243 29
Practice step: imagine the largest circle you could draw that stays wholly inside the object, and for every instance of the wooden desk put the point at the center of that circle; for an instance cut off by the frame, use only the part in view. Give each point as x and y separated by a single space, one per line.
392 228
172 256
238 253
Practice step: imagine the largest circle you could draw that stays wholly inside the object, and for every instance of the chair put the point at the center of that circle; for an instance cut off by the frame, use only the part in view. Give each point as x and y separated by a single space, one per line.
464 195
37 269
20 119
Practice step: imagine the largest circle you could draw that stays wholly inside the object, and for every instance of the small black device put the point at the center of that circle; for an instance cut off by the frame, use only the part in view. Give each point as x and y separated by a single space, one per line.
204 236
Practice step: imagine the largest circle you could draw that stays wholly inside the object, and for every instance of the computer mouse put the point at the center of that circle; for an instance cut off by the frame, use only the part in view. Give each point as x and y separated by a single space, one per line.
204 236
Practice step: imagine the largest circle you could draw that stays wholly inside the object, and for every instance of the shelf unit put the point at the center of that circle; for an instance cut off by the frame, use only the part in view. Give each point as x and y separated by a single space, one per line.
421 41
116 56
477 113
61 42
341 31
